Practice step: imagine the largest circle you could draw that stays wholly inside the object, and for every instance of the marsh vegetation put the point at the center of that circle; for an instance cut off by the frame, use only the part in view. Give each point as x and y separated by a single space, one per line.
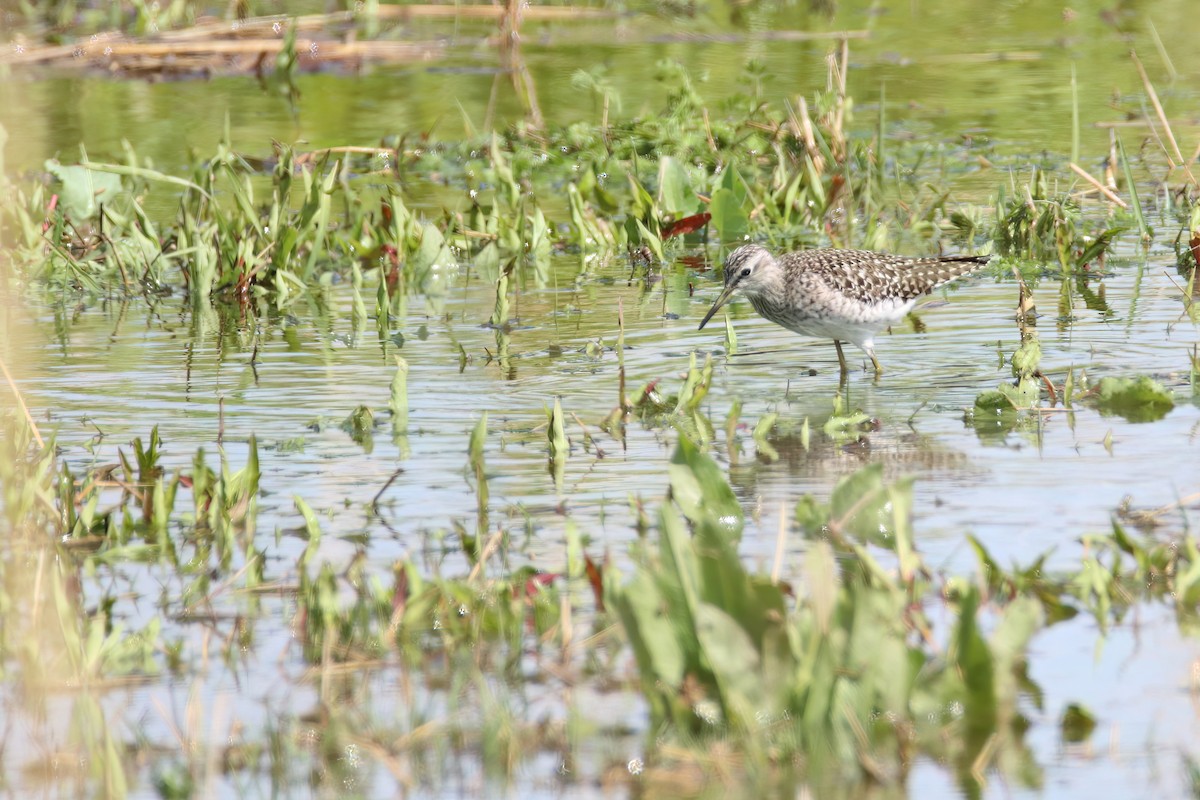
354 456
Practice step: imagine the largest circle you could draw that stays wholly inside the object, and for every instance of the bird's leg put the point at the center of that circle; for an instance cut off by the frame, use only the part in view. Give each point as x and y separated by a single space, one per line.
841 357
875 361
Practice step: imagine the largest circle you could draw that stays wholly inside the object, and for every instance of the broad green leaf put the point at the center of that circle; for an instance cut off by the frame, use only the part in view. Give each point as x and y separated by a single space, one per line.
487 262
1138 399
735 663
675 195
859 505
1022 618
83 190
732 181
976 666
651 630
992 400
728 217
699 487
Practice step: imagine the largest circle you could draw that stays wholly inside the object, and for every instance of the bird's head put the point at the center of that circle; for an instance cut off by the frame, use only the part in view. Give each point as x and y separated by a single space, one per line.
749 269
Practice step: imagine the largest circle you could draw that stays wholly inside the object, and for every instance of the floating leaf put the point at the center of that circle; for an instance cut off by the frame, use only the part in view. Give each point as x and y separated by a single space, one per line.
1138 399
993 400
1077 724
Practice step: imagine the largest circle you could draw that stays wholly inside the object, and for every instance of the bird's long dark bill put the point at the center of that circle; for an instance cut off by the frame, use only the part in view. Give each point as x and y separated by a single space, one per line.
722 300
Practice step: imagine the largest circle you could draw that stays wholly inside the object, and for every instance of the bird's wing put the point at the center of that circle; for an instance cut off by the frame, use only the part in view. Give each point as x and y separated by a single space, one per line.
866 276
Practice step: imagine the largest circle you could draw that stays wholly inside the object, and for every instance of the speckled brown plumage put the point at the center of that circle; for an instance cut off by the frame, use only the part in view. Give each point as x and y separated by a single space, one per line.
844 295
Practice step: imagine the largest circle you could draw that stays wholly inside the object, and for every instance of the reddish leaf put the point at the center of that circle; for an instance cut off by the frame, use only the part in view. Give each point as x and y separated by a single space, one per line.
686 225
535 584
53 204
392 279
1195 244
596 579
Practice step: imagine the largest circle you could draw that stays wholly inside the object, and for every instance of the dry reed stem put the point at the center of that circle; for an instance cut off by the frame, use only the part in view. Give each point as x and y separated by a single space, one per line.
1110 166
1136 123
21 402
480 11
326 50
980 765
492 544
810 140
1104 190
780 541
1162 117
752 36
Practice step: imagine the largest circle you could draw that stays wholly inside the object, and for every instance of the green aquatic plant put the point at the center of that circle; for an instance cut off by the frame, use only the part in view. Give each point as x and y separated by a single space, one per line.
279 229
1036 225
1139 399
835 675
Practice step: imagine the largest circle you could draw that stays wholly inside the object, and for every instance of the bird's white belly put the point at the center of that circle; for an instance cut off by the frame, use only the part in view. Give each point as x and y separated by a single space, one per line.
852 322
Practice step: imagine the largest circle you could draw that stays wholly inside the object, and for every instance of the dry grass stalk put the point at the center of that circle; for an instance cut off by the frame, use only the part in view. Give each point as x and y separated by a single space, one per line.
212 53
1162 118
1104 190
12 384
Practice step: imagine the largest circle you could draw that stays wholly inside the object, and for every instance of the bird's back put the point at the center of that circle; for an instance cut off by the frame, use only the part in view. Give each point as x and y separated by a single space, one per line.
869 277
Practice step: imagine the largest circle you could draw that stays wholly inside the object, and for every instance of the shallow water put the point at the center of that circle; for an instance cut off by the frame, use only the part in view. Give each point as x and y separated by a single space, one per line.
103 373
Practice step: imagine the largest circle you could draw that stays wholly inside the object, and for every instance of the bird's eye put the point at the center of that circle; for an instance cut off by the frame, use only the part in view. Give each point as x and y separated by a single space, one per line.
746 272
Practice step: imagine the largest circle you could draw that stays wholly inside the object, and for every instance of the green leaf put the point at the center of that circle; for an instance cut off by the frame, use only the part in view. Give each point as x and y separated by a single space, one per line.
478 437
398 401
699 487
557 433
312 529
1025 360
1024 394
650 239
430 251
762 446
360 424
859 505
900 499
675 195
651 631
733 182
1138 399
1077 724
83 190
976 667
1022 618
735 662
487 262
728 217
